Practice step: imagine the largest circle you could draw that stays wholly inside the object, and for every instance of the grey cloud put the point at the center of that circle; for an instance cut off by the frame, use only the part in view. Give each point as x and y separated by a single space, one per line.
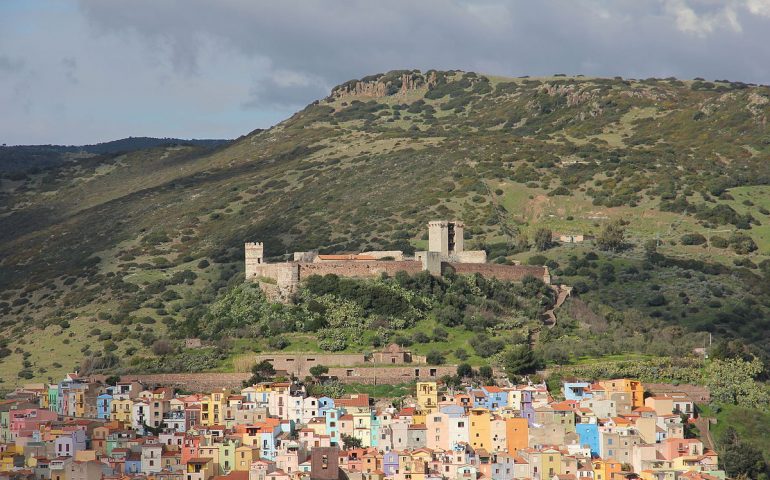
233 65
336 41
10 65
70 66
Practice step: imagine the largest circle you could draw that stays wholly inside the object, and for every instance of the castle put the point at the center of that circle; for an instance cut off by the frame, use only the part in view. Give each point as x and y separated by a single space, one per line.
446 253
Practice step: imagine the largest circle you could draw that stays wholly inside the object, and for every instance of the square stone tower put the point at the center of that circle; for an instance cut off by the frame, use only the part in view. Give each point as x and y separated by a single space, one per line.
446 237
255 256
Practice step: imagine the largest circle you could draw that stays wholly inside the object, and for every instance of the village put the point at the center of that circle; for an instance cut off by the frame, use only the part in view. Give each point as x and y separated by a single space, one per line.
83 429
178 427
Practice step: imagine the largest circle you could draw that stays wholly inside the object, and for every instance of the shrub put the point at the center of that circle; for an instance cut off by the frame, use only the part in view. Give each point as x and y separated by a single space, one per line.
162 348
719 242
693 239
278 343
435 357
420 337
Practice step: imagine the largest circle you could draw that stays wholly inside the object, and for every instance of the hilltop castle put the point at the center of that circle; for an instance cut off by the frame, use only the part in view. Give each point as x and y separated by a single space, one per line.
446 253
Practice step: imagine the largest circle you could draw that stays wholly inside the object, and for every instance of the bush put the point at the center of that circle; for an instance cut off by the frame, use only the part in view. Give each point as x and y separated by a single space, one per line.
742 244
719 242
439 334
420 337
278 343
486 347
162 348
435 357
537 260
693 239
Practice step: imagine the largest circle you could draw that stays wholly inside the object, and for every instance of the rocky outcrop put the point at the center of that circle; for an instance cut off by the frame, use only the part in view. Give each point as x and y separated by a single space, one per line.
385 85
361 89
573 94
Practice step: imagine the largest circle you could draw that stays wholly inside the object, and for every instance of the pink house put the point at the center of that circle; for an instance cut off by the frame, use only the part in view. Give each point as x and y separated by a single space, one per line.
672 448
23 422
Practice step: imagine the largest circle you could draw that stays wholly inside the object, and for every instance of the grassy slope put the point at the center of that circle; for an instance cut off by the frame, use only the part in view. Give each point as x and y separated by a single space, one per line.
349 178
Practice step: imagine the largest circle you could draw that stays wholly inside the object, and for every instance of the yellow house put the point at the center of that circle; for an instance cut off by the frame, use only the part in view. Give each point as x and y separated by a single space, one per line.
633 388
80 404
212 452
604 469
7 457
480 429
121 407
545 463
427 396
244 455
213 408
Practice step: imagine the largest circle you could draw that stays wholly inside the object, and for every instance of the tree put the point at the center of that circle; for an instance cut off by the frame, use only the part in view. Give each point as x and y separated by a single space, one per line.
485 372
520 360
543 239
261 372
319 371
612 237
162 348
439 334
464 370
349 442
739 459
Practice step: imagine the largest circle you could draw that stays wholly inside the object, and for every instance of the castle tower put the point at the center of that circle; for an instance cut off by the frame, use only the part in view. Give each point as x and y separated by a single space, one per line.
458 237
438 237
446 237
255 256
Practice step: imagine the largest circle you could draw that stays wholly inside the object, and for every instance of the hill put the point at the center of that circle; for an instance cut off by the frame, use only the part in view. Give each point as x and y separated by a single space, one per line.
110 254
17 160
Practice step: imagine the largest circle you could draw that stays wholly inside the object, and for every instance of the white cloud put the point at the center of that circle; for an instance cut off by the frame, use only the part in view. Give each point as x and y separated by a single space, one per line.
759 7
701 24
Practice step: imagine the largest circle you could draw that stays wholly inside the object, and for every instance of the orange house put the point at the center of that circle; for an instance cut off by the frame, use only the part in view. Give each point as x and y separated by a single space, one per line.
516 434
633 388
605 469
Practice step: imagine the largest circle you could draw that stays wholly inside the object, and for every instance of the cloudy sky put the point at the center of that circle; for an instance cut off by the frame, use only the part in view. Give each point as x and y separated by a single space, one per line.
83 71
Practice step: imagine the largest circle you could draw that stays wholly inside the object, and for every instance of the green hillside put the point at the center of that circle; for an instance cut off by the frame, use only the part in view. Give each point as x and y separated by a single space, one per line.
108 254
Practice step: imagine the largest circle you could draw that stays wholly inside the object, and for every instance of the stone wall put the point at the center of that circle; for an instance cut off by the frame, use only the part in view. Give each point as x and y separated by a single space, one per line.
391 375
511 273
358 268
193 382
299 363
280 280
397 255
206 382
470 256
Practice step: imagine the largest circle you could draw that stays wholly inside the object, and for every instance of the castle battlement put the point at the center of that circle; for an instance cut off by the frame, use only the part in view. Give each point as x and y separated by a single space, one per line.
445 253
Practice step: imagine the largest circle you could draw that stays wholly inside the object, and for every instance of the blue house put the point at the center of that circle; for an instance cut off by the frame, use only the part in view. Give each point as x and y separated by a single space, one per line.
496 397
103 406
133 463
390 463
589 435
332 416
576 391
324 403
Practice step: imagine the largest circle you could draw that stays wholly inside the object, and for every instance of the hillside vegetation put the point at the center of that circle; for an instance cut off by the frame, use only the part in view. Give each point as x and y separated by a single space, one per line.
121 255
